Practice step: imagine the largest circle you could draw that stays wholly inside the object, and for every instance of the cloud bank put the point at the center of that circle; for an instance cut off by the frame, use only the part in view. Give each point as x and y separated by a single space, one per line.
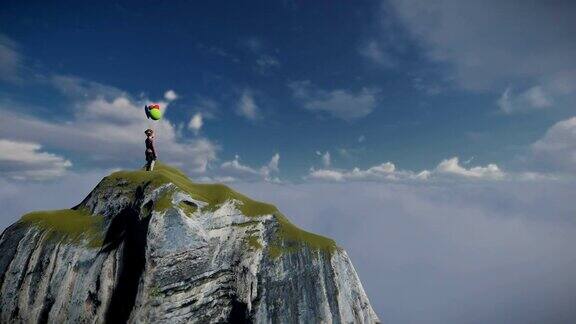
492 43
103 129
446 169
474 252
234 171
27 161
556 150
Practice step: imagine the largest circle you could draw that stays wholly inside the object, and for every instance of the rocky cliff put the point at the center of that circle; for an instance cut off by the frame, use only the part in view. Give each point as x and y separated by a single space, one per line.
154 247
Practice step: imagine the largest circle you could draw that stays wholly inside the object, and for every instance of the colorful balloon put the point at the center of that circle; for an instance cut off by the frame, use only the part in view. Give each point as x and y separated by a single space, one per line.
153 112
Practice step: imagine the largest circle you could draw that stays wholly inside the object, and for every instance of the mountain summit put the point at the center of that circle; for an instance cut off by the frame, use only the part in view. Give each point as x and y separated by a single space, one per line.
153 247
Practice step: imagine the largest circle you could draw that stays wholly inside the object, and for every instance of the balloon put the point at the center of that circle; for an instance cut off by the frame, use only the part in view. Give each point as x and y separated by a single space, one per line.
147 112
155 114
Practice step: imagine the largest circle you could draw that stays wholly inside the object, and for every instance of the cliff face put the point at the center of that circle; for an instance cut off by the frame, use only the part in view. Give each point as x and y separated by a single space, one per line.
154 247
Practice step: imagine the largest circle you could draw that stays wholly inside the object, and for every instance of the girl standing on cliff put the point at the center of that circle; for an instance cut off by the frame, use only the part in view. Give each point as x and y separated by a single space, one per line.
150 150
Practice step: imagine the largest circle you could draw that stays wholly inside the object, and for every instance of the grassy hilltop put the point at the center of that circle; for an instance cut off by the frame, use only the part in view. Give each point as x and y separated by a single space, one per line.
77 224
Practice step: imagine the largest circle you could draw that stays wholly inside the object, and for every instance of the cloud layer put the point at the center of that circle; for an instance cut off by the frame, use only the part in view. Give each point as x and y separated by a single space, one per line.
556 150
482 252
104 129
447 169
481 244
532 99
27 161
492 43
234 170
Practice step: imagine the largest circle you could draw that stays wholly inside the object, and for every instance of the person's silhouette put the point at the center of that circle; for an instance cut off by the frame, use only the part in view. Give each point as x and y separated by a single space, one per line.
150 150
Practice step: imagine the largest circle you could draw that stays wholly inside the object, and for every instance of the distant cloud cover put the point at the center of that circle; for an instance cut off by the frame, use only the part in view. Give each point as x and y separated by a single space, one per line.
27 161
104 131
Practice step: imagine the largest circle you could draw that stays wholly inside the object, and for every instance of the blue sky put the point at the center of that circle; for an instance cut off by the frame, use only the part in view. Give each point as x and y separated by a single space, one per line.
431 95
360 80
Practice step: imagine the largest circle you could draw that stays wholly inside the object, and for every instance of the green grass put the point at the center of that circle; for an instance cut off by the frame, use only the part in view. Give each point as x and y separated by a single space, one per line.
164 202
74 224
275 251
253 242
214 194
187 208
246 224
68 225
289 237
292 234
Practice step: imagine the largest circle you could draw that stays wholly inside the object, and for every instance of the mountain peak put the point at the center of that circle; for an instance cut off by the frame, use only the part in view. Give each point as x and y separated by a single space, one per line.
157 247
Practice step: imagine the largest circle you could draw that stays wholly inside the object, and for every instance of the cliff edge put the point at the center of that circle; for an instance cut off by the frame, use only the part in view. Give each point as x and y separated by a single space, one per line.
154 247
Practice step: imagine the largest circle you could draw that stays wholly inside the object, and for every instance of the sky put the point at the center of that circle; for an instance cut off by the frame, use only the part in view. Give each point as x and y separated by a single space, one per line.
434 140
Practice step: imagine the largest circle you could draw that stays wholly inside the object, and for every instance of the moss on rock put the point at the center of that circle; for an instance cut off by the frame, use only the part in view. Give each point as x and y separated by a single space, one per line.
76 224
69 225
288 237
164 201
253 242
188 208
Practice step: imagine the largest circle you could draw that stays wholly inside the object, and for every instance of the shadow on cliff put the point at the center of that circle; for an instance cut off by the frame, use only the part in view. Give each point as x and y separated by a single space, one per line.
127 231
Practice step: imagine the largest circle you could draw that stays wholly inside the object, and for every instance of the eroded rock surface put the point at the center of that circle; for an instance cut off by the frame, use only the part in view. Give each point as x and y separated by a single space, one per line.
156 248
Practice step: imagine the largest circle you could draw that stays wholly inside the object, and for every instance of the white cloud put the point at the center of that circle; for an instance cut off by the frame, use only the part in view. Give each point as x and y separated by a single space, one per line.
326 158
382 172
273 165
247 106
196 123
236 171
82 89
454 238
373 51
452 166
492 43
108 132
449 168
10 60
106 127
339 103
170 95
531 99
493 243
556 150
325 174
236 166
26 161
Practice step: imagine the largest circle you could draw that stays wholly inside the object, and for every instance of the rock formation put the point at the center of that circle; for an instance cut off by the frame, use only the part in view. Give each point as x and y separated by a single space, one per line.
153 247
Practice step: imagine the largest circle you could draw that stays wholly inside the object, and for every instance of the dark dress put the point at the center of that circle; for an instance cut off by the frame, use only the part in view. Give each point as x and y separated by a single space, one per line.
150 151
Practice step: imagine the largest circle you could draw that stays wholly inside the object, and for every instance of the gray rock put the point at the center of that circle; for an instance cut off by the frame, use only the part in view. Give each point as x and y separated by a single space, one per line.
154 248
